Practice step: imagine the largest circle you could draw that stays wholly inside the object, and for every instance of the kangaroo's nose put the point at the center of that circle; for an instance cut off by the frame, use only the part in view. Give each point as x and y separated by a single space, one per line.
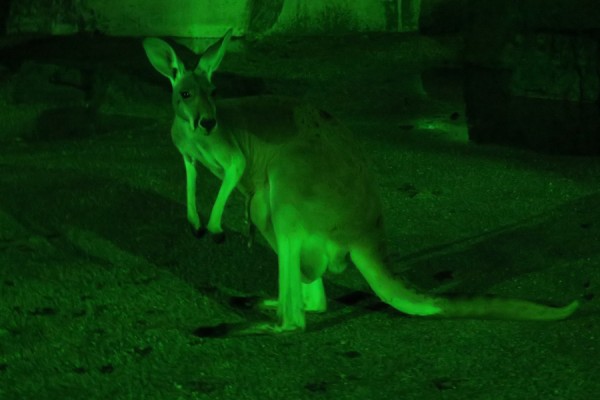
208 124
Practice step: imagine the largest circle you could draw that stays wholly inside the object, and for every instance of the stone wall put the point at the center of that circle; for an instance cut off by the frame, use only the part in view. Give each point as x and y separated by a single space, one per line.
533 74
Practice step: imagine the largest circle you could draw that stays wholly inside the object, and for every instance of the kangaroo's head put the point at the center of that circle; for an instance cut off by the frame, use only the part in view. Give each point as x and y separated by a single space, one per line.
193 91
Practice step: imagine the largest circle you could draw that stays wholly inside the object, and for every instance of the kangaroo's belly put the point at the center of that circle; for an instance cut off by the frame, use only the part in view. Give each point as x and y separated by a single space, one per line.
319 252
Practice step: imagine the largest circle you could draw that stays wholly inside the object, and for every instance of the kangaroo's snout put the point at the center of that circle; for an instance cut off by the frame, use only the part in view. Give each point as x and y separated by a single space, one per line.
208 124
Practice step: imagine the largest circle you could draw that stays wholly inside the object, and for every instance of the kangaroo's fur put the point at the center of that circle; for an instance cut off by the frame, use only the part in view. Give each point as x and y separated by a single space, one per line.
309 193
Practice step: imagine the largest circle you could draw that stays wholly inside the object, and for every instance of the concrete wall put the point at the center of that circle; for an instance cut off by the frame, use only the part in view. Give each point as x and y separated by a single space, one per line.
306 16
533 77
129 17
210 18
193 18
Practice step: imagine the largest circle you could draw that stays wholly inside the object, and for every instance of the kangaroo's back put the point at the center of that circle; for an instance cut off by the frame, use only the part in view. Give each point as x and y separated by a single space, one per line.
269 119
310 160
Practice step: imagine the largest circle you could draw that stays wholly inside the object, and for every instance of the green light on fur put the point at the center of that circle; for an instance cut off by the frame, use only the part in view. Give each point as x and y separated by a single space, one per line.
308 192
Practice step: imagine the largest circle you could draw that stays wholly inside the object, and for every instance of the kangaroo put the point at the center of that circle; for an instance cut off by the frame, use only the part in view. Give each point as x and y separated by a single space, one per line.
309 193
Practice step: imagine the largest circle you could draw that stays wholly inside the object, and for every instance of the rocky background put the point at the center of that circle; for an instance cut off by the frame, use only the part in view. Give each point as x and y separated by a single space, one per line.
105 293
529 69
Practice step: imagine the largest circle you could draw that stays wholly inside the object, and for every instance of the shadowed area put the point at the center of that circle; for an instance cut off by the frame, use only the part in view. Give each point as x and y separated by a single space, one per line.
107 294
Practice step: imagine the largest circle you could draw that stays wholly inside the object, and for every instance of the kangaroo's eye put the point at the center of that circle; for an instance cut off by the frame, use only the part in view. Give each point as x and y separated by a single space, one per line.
185 94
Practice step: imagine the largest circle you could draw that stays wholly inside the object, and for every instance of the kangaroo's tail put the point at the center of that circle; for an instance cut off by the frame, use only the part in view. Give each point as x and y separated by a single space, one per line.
395 293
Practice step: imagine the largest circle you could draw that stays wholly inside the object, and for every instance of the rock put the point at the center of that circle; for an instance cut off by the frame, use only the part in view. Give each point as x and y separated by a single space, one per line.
496 116
554 66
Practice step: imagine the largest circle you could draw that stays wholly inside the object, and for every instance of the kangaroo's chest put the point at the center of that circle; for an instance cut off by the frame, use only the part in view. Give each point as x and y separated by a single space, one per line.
210 153
206 156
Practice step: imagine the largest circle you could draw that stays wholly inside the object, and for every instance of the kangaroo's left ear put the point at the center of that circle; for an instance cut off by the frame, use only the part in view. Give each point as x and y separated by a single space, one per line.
211 58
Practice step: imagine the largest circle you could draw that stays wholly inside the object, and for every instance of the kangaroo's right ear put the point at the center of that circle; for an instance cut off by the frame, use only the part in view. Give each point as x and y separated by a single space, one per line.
211 58
163 58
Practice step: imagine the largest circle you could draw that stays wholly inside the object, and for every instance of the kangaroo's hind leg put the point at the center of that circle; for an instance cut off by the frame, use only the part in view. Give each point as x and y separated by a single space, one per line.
289 303
290 307
288 238
313 296
313 293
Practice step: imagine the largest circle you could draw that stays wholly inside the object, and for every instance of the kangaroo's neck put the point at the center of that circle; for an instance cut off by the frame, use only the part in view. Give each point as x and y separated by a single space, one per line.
255 127
256 152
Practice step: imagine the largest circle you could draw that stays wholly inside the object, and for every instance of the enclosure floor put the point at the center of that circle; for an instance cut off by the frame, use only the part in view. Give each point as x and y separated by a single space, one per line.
105 294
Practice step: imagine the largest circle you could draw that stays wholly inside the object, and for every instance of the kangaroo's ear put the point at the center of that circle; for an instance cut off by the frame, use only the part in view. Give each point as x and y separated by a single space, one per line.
163 58
211 58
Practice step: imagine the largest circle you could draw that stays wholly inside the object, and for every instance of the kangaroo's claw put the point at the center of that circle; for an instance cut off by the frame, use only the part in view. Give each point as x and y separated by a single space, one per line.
198 232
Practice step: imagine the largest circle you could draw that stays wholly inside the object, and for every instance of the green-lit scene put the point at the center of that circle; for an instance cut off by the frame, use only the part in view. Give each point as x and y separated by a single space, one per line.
298 199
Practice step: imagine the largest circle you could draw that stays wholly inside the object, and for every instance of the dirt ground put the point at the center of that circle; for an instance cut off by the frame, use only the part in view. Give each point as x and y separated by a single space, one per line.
106 294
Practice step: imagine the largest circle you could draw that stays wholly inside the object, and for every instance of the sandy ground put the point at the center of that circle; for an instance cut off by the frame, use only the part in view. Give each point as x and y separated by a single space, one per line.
106 294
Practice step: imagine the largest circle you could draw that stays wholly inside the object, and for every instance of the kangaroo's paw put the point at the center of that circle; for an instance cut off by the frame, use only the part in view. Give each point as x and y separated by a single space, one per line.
198 232
216 232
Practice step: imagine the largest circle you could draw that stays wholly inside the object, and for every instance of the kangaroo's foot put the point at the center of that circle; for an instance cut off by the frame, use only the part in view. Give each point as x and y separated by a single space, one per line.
216 230
244 329
267 328
268 304
272 304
